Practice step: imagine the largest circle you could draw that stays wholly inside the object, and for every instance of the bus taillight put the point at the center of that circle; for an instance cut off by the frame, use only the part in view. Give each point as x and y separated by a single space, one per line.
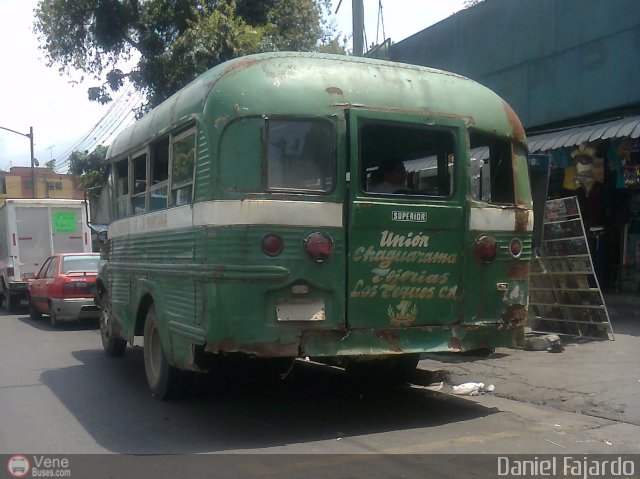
515 247
318 246
486 248
272 245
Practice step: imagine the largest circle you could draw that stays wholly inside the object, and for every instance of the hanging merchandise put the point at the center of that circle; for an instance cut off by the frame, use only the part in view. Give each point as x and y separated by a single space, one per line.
585 159
570 181
628 154
631 175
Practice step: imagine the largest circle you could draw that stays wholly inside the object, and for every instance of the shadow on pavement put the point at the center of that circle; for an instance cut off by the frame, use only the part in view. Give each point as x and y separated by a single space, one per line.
110 398
44 325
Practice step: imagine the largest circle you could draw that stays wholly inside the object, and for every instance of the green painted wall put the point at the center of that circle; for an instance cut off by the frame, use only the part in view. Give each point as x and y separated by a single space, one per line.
552 60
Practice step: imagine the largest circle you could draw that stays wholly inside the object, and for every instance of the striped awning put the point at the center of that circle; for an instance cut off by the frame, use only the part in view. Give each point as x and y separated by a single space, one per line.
629 126
623 127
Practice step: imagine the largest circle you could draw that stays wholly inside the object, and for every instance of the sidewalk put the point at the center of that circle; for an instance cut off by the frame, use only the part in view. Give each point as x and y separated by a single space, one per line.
599 378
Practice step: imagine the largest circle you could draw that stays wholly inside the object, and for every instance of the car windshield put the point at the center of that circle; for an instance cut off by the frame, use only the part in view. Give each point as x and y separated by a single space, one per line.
80 263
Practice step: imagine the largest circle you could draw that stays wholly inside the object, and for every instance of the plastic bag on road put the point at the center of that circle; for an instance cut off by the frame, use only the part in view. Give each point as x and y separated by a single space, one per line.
472 389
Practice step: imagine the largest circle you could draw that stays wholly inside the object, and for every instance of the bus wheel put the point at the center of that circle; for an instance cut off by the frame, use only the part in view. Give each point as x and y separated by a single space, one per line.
112 345
164 381
390 370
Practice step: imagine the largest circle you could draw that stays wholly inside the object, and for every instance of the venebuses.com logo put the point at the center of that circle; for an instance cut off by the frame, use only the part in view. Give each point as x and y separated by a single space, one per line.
18 466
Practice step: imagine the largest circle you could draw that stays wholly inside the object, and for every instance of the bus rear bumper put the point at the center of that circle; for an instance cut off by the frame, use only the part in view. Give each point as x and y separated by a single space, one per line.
375 342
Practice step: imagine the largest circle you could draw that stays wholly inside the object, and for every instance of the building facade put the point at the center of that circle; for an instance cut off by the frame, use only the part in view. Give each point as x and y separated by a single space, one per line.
18 183
569 68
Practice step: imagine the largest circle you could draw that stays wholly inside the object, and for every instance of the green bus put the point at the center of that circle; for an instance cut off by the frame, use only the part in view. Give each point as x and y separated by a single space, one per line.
352 211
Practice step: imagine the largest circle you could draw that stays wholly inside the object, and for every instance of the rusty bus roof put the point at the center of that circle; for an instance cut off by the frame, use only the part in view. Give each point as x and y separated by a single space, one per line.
321 84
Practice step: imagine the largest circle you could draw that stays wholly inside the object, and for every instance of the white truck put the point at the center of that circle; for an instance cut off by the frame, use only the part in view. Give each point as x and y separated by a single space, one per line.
30 232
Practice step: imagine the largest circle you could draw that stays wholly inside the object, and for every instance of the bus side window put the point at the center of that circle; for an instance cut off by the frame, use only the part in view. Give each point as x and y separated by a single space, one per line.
158 189
183 151
122 188
492 176
139 193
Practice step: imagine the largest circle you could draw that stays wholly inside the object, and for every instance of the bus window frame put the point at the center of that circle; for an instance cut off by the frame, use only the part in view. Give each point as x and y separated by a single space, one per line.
132 195
174 137
334 155
455 127
503 151
152 187
124 199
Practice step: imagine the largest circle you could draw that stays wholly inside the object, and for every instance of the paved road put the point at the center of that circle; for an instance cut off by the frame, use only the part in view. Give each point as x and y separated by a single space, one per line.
60 394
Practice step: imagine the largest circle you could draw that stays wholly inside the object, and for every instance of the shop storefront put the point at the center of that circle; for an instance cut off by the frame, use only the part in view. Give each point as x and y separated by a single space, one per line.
600 165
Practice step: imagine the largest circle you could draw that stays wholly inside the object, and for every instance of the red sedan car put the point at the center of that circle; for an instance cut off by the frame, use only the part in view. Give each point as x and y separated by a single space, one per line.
64 288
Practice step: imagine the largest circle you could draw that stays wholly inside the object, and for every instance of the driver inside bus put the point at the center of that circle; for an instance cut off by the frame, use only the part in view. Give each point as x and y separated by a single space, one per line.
391 177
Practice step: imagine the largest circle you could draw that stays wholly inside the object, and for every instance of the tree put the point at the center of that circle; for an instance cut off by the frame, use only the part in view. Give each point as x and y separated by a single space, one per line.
90 168
175 40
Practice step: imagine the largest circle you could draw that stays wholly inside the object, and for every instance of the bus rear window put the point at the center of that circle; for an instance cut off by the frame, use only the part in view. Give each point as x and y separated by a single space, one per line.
300 155
405 158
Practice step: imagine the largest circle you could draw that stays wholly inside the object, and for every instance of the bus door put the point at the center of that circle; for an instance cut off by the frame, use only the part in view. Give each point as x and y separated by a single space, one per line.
406 220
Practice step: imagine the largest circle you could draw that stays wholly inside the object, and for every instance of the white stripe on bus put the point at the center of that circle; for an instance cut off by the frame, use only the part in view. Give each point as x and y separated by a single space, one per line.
232 213
495 219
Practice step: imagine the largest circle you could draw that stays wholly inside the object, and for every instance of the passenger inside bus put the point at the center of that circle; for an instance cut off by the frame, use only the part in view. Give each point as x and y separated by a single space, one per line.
390 177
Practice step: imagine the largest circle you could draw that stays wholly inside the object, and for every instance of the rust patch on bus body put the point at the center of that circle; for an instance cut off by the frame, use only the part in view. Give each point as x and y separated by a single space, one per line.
391 337
514 315
257 349
334 90
518 270
468 120
455 344
517 131
242 62
522 220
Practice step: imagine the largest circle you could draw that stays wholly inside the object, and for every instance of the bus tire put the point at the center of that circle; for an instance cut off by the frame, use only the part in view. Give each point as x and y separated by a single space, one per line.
113 346
165 381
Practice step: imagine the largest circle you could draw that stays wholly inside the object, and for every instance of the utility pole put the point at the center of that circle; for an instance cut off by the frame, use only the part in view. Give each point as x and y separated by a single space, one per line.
33 160
357 11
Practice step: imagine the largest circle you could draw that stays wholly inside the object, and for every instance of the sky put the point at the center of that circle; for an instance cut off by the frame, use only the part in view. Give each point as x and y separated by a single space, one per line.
56 106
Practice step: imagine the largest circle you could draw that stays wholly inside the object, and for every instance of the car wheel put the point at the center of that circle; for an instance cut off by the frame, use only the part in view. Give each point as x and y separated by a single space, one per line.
53 320
33 312
112 345
164 380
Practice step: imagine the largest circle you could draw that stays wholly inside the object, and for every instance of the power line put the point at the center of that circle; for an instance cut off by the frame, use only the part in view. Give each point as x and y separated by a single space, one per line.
113 108
74 147
120 113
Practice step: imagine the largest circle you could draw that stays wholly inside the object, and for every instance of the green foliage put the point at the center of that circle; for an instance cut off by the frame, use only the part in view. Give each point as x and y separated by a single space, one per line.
51 164
90 168
175 40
